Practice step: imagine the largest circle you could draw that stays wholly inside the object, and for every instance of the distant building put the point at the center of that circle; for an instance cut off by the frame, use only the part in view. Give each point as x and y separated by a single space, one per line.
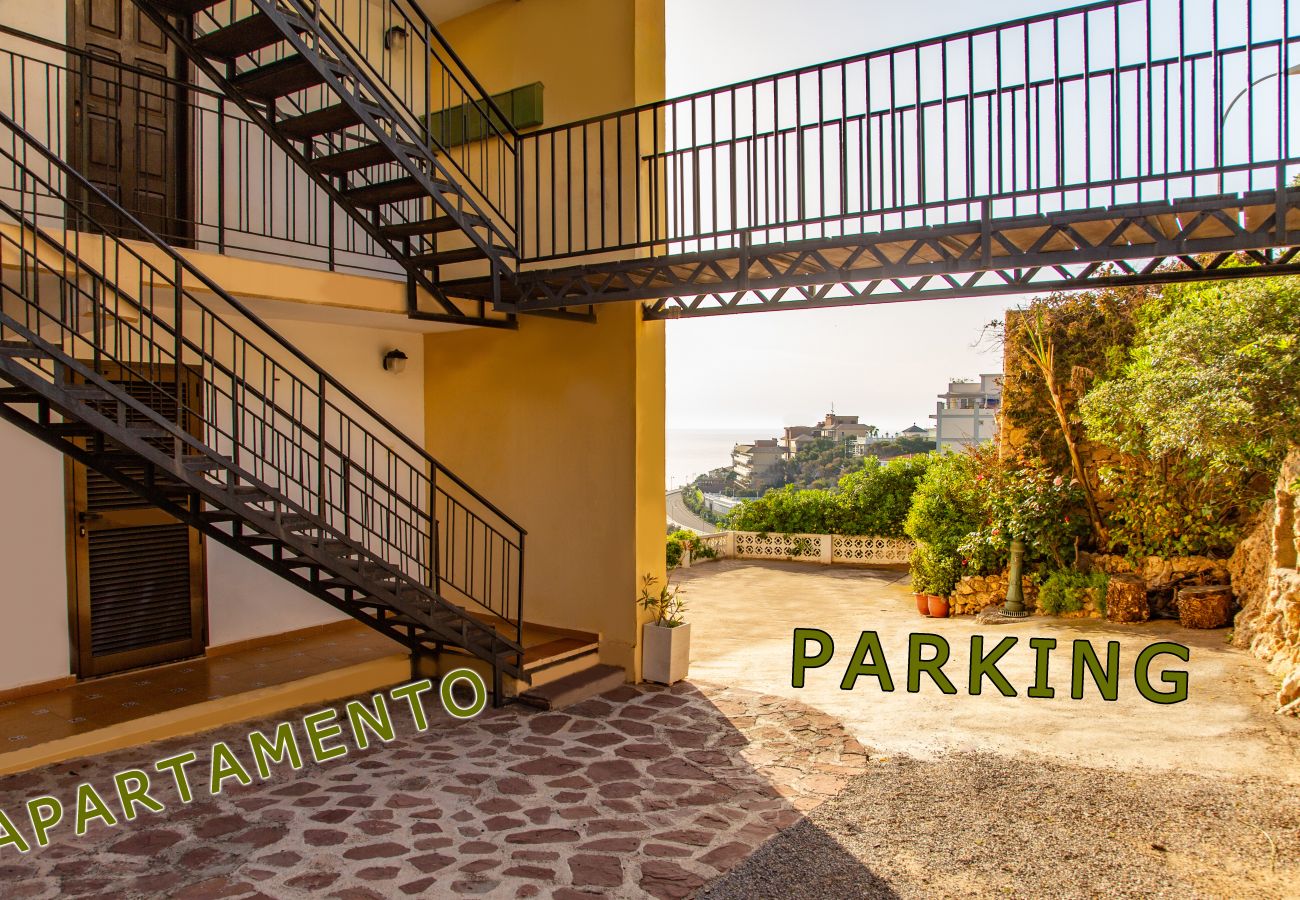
842 428
966 415
797 437
863 446
755 463
834 428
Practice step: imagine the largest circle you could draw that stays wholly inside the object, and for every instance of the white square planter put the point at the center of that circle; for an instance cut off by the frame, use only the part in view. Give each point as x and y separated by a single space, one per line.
665 652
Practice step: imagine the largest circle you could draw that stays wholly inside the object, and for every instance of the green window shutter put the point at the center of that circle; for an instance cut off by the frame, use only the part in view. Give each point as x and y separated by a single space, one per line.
522 107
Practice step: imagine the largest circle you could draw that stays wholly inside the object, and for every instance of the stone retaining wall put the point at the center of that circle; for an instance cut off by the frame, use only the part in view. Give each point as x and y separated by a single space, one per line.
1267 586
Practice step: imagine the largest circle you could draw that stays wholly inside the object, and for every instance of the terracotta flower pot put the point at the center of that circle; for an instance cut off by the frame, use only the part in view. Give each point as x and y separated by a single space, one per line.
938 606
922 604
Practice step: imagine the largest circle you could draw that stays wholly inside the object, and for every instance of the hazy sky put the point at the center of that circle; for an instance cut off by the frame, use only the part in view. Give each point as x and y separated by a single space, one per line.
885 363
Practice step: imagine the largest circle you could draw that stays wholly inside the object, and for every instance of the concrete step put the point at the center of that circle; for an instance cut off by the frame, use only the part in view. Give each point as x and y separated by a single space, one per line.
553 660
574 688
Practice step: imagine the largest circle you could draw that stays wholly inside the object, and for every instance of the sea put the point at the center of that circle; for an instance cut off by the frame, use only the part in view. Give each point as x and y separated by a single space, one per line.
692 452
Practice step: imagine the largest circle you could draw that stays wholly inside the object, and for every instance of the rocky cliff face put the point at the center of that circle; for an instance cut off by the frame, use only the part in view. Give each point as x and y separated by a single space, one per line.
1267 585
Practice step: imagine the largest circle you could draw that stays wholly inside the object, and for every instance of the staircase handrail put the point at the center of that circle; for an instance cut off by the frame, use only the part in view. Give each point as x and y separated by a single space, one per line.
191 270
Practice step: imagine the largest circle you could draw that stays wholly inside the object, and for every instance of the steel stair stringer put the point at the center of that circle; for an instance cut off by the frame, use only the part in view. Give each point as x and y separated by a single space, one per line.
367 101
353 511
413 605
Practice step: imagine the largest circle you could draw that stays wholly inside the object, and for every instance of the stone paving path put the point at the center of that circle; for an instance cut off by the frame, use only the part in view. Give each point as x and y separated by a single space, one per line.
644 792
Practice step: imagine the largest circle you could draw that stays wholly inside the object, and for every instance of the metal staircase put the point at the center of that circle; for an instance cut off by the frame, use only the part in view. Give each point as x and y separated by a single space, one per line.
373 129
270 455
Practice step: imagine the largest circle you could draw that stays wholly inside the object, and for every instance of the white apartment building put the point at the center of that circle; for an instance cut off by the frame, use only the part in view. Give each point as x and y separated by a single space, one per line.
966 414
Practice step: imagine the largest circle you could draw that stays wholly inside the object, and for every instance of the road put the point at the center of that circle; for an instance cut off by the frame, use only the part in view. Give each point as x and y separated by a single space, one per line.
682 517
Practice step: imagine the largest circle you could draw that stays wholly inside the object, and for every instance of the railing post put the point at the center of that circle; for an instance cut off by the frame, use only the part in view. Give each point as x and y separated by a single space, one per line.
178 328
320 450
519 599
221 175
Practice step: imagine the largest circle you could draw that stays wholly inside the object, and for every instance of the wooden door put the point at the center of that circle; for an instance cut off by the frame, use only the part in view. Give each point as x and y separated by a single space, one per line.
127 130
138 576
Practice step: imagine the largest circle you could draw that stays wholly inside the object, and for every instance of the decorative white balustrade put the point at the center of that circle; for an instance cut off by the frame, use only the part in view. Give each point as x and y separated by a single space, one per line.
827 549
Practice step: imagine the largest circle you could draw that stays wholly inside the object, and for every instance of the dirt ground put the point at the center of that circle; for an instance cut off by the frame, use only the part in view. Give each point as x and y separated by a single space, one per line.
1008 796
980 825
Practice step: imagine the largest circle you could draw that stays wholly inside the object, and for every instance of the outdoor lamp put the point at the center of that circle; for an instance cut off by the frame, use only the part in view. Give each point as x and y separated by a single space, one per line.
394 35
395 361
1015 605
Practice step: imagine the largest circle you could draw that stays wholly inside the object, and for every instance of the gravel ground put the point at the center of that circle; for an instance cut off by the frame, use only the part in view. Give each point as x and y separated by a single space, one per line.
1031 828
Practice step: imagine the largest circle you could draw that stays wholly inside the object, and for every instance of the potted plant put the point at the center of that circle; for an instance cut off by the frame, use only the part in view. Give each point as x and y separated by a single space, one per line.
920 594
665 642
938 606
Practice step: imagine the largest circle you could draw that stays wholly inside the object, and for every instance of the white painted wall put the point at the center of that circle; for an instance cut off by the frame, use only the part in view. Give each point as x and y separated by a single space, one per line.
246 601
33 562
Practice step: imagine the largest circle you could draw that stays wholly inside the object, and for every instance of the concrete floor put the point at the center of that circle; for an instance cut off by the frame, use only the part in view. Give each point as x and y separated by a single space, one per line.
743 615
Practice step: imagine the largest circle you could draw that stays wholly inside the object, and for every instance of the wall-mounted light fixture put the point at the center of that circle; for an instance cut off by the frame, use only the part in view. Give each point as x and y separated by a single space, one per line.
393 35
395 361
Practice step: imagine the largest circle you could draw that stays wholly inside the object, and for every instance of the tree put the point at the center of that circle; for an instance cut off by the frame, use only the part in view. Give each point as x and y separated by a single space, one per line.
1203 410
1041 351
1214 376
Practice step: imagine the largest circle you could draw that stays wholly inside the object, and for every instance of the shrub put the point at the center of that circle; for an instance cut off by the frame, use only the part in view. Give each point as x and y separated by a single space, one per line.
1202 410
946 507
874 500
784 510
1026 499
665 604
680 541
1065 591
933 572
1174 508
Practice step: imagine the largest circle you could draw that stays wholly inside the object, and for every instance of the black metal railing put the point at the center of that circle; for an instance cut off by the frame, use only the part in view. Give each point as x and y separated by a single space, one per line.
1116 102
404 58
134 314
233 190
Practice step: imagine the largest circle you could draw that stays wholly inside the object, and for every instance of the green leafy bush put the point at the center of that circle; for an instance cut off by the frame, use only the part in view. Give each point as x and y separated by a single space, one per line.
946 507
1026 499
873 500
933 572
1202 410
876 498
1065 591
1174 508
680 541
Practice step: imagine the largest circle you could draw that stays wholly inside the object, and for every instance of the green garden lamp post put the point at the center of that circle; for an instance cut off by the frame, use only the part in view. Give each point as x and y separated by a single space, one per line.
1015 605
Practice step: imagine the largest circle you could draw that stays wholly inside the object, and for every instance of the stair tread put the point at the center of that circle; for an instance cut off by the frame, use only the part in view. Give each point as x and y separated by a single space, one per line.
21 348
318 122
394 191
201 463
246 36
575 688
186 7
436 225
448 257
477 287
353 159
556 650
278 79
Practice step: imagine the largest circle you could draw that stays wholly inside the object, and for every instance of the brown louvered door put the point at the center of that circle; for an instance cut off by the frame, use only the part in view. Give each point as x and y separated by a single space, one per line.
139 575
127 131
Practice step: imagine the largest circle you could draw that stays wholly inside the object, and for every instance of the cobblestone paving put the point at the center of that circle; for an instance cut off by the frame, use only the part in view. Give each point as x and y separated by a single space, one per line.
643 792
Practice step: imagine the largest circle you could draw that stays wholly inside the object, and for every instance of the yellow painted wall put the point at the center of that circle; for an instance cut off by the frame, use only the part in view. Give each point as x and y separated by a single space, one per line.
582 51
561 424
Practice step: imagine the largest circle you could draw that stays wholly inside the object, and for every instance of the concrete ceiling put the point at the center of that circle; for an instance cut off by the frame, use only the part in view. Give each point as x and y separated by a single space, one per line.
442 10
